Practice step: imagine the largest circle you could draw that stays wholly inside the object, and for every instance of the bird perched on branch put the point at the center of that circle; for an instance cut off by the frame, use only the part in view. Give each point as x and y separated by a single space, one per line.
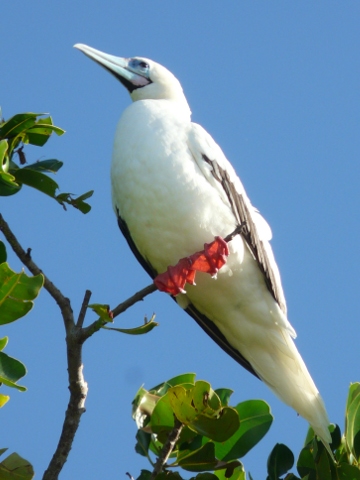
173 190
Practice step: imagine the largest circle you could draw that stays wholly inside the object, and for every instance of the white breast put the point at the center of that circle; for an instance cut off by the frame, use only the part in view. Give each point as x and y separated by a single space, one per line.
158 189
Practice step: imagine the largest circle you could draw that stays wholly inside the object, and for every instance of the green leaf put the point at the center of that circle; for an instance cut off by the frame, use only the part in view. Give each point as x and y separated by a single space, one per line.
348 472
17 291
142 443
168 475
280 461
335 437
143 406
217 429
181 403
205 400
224 394
162 418
15 467
199 407
185 379
4 161
205 476
255 421
310 436
103 311
47 121
18 124
144 475
237 474
354 391
3 342
3 255
352 431
51 166
37 180
323 468
11 370
39 134
306 463
78 203
199 460
146 328
3 399
26 128
8 185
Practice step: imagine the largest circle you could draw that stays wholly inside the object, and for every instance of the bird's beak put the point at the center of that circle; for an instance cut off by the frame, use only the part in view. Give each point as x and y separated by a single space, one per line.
117 66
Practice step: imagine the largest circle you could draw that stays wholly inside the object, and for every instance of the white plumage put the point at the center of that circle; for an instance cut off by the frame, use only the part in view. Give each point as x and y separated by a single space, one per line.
173 190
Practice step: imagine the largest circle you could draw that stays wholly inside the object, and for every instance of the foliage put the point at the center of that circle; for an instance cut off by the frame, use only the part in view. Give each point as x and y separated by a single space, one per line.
17 292
15 467
28 128
215 436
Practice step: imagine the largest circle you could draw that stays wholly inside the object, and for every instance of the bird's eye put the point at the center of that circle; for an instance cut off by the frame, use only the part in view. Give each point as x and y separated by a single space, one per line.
139 65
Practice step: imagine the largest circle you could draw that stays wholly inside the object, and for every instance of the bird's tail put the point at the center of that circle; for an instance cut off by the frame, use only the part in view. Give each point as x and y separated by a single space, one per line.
284 371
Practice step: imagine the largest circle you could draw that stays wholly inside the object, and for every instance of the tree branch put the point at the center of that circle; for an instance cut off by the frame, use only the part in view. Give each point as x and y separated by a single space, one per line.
167 448
75 337
77 385
137 297
83 310
76 407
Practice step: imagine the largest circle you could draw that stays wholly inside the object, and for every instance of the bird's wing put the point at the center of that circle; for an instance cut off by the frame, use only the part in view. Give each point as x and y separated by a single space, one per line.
256 231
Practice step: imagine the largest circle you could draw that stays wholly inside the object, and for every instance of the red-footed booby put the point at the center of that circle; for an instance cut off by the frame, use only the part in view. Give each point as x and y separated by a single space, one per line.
172 191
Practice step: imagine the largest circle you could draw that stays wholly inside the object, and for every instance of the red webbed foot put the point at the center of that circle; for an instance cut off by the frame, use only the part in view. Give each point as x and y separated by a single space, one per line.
212 258
209 260
173 280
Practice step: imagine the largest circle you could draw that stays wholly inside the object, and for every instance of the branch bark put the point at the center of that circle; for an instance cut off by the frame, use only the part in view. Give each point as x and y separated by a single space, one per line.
167 449
75 337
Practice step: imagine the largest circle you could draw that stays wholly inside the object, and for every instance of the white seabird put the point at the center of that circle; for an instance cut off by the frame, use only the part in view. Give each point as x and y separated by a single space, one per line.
172 191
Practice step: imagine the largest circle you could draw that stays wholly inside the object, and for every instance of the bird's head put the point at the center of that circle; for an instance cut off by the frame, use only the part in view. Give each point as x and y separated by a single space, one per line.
143 78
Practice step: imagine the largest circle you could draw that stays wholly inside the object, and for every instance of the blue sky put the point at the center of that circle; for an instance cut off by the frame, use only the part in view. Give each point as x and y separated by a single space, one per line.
277 85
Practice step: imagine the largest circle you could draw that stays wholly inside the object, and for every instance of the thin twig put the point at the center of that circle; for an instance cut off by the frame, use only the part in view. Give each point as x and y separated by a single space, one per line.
137 297
83 310
167 448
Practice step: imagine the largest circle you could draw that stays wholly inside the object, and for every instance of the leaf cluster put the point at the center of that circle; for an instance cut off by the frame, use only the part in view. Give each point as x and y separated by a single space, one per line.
14 467
214 435
34 129
17 292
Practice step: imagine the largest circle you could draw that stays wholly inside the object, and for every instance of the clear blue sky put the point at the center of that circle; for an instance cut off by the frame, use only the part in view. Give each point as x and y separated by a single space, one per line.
277 85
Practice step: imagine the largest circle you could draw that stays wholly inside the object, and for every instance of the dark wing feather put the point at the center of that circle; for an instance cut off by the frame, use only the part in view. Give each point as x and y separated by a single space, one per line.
249 231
